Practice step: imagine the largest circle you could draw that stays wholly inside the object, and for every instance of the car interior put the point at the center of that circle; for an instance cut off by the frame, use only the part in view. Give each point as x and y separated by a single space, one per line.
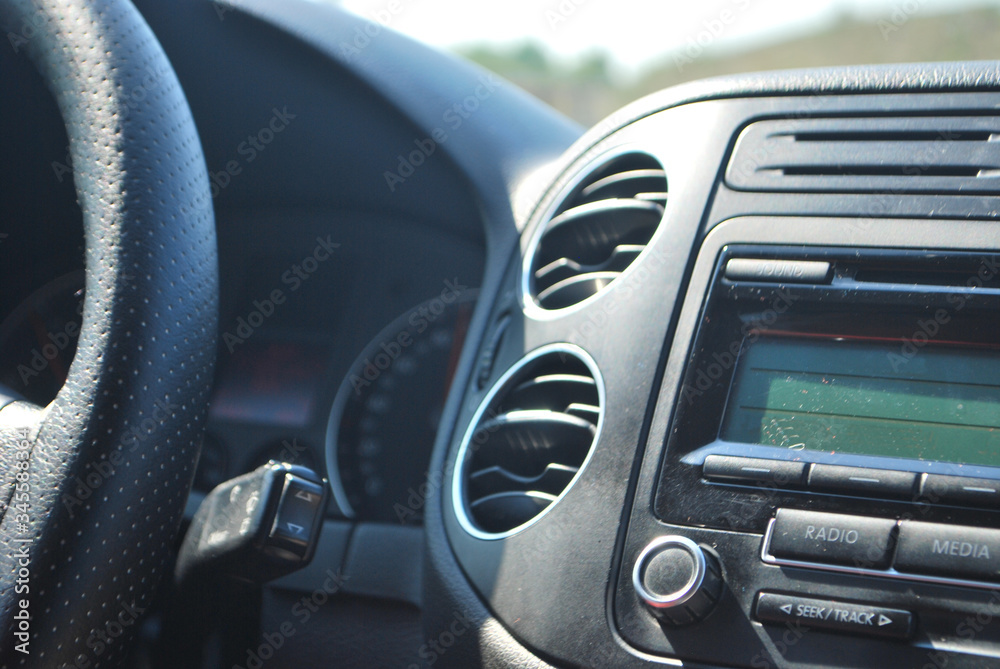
323 347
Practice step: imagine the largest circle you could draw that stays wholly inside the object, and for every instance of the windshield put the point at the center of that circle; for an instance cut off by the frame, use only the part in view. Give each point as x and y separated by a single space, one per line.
589 57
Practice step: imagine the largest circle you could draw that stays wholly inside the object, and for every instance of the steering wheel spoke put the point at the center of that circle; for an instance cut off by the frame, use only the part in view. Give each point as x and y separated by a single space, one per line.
20 421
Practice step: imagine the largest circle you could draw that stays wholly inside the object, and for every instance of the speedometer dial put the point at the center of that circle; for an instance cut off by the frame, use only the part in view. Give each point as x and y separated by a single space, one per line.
386 412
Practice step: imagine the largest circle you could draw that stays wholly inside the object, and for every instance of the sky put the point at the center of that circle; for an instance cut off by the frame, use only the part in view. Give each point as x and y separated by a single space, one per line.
635 33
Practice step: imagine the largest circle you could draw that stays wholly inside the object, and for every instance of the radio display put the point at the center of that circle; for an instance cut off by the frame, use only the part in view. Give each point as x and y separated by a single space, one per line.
865 397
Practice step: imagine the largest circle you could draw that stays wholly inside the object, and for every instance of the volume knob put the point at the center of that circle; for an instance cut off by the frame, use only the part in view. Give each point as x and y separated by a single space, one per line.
678 580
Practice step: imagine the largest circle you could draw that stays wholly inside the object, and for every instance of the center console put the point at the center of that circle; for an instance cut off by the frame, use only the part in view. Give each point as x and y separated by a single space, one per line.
833 455
737 403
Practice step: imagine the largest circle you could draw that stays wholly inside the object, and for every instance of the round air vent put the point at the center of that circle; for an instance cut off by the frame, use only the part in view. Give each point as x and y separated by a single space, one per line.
597 231
528 442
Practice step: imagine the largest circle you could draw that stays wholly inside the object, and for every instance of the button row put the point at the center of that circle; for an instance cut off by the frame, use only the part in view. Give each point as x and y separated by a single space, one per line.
838 479
874 544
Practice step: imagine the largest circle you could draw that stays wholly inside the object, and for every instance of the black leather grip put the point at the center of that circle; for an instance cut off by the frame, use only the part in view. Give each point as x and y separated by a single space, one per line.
113 460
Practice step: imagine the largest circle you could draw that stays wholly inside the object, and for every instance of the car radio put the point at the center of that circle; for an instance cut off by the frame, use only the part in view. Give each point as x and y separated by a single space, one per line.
860 384
831 465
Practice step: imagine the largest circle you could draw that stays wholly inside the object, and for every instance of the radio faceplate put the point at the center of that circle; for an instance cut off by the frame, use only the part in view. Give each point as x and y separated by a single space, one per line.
839 380
905 599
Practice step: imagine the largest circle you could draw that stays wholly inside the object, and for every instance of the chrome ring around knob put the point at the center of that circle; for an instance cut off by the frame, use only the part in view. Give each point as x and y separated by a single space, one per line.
686 584
685 593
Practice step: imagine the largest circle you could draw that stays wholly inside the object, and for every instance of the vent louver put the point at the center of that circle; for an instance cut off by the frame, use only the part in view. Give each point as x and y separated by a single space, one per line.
530 439
947 154
597 231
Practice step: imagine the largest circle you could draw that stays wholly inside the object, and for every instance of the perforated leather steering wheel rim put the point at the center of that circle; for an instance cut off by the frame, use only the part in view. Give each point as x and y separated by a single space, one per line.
95 484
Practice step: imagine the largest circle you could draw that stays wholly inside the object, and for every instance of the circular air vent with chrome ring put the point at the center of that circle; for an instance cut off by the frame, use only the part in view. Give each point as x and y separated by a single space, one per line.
528 442
597 230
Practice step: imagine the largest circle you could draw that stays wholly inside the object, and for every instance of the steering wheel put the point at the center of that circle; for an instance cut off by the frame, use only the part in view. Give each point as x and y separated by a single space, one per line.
94 485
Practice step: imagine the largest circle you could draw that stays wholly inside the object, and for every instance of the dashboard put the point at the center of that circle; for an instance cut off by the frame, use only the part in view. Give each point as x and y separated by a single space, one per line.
346 365
724 366
309 297
787 307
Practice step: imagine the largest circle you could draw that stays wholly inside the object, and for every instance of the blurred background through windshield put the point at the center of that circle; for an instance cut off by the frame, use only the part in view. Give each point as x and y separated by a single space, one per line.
589 57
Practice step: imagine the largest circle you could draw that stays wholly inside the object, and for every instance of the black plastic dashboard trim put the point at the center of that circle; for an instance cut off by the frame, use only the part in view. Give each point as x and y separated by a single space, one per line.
867 218
901 234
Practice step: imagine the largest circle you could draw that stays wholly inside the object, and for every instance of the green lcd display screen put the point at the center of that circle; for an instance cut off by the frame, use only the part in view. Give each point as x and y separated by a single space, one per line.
939 403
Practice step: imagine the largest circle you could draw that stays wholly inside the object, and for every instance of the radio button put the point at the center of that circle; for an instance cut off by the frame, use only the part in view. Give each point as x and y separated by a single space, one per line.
960 490
828 614
753 470
948 550
862 480
777 271
832 538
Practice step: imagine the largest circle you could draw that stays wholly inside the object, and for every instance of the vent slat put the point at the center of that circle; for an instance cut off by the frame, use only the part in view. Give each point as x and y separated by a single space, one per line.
531 441
893 136
498 513
589 233
553 392
575 289
885 170
565 268
523 442
588 412
598 231
895 154
623 185
552 481
659 198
